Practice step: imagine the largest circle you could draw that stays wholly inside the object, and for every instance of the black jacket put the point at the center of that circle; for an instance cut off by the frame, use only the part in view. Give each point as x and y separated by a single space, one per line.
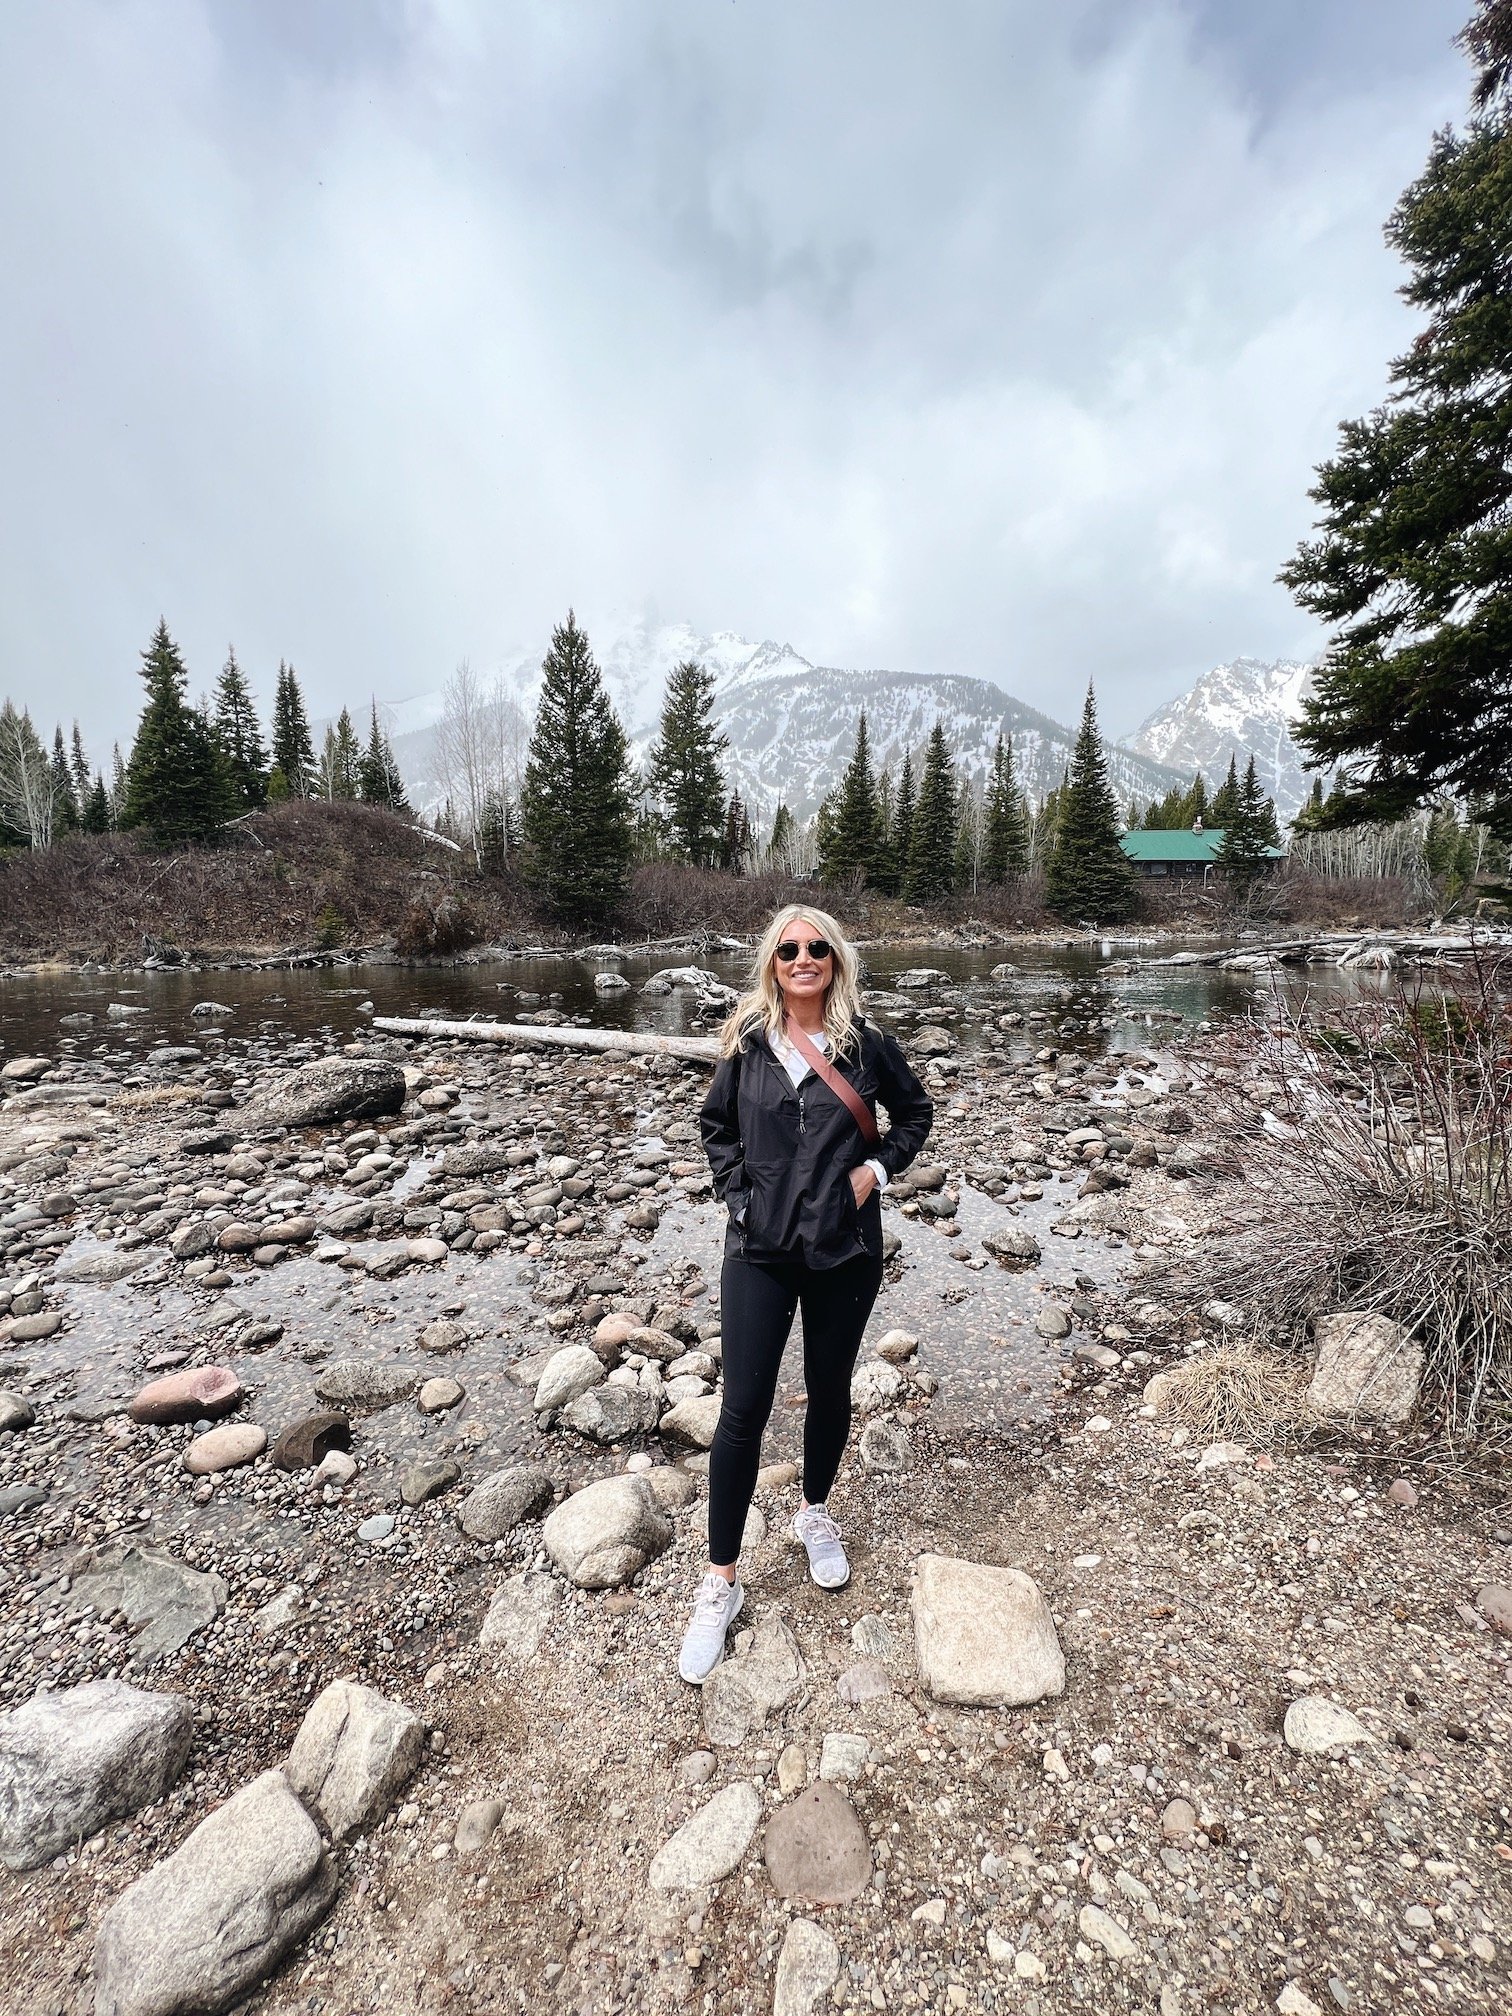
784 1153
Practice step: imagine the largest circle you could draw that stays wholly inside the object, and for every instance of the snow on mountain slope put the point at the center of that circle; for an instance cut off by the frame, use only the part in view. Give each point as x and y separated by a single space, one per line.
1245 708
792 724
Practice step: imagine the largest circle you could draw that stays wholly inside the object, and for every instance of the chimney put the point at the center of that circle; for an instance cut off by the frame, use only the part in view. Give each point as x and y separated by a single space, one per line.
1197 823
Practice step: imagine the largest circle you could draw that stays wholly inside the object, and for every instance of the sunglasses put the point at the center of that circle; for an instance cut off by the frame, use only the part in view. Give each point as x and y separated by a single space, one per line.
817 948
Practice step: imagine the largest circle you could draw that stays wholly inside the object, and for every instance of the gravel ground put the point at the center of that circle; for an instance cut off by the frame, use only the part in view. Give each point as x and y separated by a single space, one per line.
1148 1840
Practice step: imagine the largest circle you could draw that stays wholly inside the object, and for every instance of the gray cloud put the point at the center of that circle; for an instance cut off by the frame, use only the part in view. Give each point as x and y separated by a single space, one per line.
996 339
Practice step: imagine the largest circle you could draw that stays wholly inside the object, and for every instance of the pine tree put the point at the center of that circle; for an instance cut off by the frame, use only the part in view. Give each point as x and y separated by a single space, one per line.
968 840
1241 857
904 808
1310 818
1225 806
65 804
176 787
118 788
79 766
576 807
884 873
683 770
293 751
1005 840
735 848
1089 879
1412 564
340 759
378 778
851 852
1194 805
932 844
780 846
240 738
97 807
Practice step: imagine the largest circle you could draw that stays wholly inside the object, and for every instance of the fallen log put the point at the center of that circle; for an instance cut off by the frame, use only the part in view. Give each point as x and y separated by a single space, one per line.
529 1035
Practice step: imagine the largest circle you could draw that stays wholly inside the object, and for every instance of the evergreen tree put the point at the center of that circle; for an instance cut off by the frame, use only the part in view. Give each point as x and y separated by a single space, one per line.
240 738
1005 841
884 872
117 788
1194 804
1412 565
683 770
779 851
904 808
378 779
852 847
1225 806
79 766
97 807
1310 818
968 847
65 804
735 843
1089 879
824 826
576 807
176 788
293 751
340 760
932 844
1241 856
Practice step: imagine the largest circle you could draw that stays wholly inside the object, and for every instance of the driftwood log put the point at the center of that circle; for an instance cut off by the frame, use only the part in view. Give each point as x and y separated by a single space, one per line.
531 1035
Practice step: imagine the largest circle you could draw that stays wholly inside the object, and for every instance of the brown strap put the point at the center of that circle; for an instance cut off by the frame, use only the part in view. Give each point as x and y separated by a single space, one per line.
841 1087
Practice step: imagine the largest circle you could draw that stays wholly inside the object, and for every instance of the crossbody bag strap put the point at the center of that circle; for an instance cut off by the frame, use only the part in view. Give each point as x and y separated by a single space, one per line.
842 1088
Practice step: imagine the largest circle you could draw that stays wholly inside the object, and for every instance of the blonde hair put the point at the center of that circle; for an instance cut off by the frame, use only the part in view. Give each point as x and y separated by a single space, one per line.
761 1006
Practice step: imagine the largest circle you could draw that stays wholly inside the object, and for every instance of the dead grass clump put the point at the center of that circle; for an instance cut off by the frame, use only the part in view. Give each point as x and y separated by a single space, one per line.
1233 1393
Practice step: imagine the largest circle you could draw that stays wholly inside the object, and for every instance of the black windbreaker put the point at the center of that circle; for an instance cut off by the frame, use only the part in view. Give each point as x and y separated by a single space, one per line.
784 1153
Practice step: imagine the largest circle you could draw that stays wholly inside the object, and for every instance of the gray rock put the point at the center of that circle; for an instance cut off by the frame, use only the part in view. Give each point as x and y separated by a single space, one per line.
497 1505
1015 1248
569 1372
1099 1929
609 1414
1053 1321
1368 1369
354 1752
72 1761
477 1824
219 1914
706 1848
807 1969
606 1533
15 1413
842 1758
334 1088
817 1849
692 1422
743 1691
983 1636
519 1615
377 1528
361 1384
1317 1727
884 1448
165 1603
420 1482
101 1267
876 1384
20 1498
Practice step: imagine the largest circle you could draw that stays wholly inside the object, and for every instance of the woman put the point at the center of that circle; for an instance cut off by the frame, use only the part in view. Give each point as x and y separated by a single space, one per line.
791 1136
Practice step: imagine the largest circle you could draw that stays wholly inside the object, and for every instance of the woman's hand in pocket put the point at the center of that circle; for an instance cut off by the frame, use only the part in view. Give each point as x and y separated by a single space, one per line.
863 1181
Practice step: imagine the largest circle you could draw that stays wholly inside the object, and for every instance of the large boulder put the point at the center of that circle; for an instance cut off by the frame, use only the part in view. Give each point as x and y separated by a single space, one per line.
692 1421
334 1088
497 1505
607 1532
354 1752
608 1414
983 1636
71 1762
1368 1369
164 1602
217 1916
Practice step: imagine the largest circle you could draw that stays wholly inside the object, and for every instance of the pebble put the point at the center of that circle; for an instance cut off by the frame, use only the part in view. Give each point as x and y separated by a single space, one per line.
225 1448
1099 1929
377 1528
436 1396
1316 1727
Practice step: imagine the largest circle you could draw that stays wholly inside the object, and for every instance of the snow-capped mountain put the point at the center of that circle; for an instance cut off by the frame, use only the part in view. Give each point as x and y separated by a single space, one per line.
1245 708
791 723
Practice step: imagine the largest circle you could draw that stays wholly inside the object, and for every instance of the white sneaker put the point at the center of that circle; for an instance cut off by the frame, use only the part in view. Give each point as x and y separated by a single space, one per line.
715 1608
821 1538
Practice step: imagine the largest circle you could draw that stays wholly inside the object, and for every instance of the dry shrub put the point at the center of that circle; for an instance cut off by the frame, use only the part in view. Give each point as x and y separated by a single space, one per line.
1234 1393
435 929
1376 1139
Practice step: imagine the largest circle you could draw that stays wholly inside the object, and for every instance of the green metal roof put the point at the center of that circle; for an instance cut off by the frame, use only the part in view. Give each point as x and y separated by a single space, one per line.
1159 844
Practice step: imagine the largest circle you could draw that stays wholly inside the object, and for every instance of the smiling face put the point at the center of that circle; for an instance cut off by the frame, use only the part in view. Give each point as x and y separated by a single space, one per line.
803 979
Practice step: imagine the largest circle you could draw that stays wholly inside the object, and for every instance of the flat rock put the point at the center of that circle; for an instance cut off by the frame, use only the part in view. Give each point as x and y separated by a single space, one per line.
1318 1727
36 1328
692 1422
420 1482
500 1502
1495 1605
218 1915
1099 1929
355 1751
334 1088
743 1691
100 1267
983 1636
165 1603
436 1396
842 1757
22 1070
1015 1248
807 1969
477 1824
309 1440
605 1534
706 1848
567 1373
16 1498
365 1385
608 1414
207 1390
1368 1369
816 1848
72 1761
518 1617
225 1448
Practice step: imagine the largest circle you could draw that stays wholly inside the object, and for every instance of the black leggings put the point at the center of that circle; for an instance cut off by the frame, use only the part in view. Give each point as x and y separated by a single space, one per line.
756 1302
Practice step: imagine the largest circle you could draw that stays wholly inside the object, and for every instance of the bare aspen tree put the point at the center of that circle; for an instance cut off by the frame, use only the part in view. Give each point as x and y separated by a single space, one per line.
481 740
27 794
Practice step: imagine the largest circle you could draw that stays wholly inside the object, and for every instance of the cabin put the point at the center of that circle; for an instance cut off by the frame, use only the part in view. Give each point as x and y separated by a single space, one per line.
1187 852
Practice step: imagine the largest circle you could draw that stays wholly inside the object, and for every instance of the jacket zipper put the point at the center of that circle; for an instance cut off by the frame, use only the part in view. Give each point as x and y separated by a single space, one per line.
801 1127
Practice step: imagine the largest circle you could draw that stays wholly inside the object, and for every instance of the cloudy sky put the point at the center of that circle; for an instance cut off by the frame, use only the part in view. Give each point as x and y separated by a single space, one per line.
992 337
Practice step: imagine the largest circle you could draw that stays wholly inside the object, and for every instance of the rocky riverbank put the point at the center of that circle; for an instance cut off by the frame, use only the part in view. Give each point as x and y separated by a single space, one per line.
396 1370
